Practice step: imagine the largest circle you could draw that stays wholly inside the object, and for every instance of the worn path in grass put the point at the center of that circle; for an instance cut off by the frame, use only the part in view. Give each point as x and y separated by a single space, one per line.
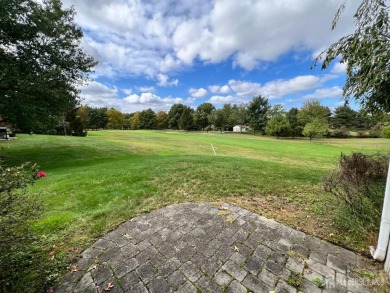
201 247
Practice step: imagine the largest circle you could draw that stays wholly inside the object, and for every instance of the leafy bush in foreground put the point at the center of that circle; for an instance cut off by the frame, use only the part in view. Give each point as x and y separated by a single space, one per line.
359 181
17 210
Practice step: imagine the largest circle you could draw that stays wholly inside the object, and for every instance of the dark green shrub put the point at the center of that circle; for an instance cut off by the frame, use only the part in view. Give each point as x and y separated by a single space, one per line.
359 181
17 210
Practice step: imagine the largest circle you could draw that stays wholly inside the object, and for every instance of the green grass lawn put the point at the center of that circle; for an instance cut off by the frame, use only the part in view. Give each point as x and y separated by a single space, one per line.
95 183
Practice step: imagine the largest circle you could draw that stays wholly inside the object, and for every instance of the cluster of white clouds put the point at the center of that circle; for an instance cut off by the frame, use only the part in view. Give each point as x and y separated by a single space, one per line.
237 91
158 38
97 94
234 91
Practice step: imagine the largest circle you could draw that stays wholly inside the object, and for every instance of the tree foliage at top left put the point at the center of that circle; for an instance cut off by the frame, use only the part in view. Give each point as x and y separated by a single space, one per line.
41 62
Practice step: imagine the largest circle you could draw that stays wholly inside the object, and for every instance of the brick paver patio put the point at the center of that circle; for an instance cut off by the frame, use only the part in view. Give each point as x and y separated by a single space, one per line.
200 247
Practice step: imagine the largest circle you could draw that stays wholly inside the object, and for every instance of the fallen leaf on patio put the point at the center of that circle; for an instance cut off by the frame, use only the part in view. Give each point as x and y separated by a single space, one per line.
74 268
236 249
224 213
127 236
109 286
308 271
230 220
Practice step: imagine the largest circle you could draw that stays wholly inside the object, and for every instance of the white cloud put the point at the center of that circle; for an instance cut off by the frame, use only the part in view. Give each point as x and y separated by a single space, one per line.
216 89
163 80
144 98
279 88
99 95
324 93
220 100
245 88
273 89
127 91
96 94
145 89
148 38
339 68
198 93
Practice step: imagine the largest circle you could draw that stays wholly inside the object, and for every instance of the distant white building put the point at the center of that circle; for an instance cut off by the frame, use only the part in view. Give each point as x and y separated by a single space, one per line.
240 128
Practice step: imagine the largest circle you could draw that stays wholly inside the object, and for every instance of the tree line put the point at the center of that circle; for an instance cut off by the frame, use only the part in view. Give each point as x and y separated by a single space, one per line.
311 120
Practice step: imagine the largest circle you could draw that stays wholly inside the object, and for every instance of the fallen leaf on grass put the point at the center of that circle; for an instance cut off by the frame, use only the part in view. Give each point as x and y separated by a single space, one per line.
230 220
109 286
224 213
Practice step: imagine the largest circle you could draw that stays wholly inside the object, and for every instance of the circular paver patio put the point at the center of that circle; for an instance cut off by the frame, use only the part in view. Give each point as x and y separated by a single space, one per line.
200 247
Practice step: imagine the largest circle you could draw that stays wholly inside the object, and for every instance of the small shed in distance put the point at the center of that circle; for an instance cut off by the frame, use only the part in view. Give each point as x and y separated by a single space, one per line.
240 128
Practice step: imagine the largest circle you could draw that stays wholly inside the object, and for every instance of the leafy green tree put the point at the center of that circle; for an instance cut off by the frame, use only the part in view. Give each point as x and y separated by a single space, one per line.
186 121
41 63
366 54
162 120
83 115
174 115
313 110
116 119
230 115
343 116
315 128
127 124
257 113
242 115
202 113
219 119
278 126
296 126
363 120
147 119
97 118
78 121
135 120
275 110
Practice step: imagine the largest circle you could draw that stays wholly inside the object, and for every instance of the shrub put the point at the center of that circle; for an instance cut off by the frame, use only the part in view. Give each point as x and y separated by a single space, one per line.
386 132
359 181
17 210
375 131
342 132
361 134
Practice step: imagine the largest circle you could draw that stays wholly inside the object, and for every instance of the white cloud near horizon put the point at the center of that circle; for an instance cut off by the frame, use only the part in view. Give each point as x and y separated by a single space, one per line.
99 95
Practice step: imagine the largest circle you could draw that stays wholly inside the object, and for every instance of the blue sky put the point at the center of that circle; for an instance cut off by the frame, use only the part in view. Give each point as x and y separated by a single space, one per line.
155 53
